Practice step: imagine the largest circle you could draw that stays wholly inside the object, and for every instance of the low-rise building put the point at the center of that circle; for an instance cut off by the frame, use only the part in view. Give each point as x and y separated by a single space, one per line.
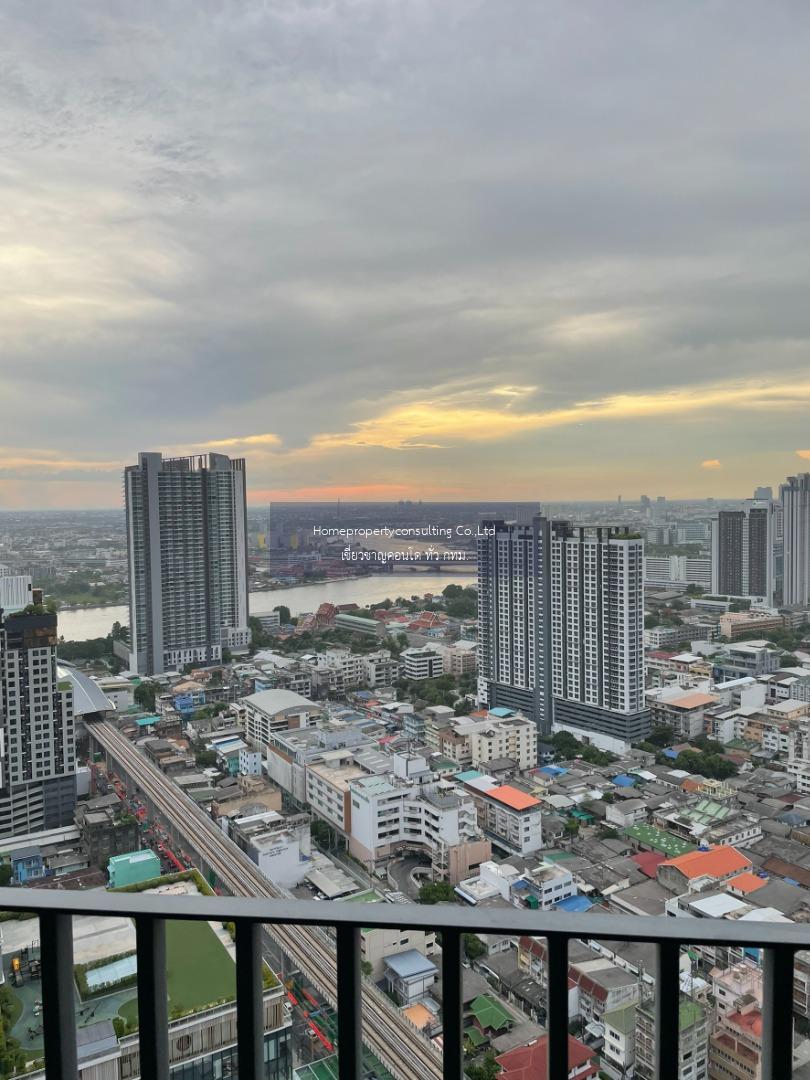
133 868
270 711
421 662
409 976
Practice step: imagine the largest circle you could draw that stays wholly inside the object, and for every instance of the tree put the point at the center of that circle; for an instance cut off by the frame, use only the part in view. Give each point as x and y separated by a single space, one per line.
145 695
474 946
119 632
283 614
205 759
436 892
487 1069
571 826
5 873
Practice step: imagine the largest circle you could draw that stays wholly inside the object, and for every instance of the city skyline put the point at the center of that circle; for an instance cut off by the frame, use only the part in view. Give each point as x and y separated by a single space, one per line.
425 251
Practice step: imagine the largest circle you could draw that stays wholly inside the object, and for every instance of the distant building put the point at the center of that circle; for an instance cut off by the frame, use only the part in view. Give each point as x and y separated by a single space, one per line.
187 549
794 496
744 551
421 663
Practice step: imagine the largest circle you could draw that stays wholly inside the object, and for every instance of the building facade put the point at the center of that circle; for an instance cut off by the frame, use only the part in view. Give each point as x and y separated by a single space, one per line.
37 732
514 646
187 550
597 631
744 552
794 496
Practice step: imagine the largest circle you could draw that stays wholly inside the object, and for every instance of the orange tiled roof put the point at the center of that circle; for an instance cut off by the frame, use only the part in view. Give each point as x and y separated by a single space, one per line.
513 797
746 882
719 861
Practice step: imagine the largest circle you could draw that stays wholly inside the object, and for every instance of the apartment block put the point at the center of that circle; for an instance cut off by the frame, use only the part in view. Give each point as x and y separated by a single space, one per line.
187 549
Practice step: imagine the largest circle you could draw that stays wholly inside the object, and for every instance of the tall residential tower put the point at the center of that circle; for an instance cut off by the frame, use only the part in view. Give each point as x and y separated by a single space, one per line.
597 631
187 550
794 495
744 551
514 646
37 736
561 626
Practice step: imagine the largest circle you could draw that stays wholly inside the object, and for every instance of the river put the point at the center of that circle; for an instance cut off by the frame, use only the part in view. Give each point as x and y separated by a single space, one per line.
95 622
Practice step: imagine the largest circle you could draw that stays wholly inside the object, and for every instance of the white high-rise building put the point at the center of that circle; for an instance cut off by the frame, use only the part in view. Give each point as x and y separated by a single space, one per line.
794 496
187 549
597 630
561 626
37 737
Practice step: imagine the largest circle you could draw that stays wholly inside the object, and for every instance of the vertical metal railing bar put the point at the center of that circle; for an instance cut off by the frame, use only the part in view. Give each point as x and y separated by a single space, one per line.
350 1010
153 999
667 1010
58 1000
557 1013
452 1005
776 1061
249 1000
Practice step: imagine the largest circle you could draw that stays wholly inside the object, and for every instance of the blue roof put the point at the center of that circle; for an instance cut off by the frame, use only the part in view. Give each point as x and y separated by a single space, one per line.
409 964
670 753
469 774
624 780
147 721
575 903
502 711
552 770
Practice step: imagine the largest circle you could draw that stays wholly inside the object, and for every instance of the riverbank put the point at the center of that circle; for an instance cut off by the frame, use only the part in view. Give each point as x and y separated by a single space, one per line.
83 623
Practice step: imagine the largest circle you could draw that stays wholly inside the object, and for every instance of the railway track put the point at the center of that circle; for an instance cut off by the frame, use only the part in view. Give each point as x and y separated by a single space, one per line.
401 1048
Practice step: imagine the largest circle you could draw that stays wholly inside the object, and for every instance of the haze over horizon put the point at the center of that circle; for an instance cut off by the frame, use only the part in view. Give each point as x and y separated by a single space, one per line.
514 250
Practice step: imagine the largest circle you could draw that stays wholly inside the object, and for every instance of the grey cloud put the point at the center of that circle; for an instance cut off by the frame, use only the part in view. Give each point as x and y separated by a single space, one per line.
283 213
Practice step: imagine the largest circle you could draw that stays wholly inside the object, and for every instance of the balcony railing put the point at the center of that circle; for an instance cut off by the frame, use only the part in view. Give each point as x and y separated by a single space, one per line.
778 941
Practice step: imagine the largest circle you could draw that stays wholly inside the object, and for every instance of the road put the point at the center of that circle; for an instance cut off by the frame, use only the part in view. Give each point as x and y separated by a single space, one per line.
402 1049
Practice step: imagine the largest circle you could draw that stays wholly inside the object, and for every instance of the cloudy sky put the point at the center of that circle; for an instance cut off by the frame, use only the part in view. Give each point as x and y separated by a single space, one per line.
405 248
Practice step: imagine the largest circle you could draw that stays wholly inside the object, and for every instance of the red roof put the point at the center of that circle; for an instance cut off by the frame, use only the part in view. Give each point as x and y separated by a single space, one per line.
750 1021
530 1062
512 797
647 862
746 882
718 862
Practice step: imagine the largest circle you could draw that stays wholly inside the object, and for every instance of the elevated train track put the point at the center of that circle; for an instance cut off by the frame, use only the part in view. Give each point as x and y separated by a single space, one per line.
399 1046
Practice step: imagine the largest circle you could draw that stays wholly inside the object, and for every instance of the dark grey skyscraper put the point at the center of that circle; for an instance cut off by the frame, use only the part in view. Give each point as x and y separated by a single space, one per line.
744 552
514 649
187 550
794 496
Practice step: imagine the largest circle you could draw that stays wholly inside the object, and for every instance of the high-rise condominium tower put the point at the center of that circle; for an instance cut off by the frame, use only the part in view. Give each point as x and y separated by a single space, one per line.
744 551
597 630
37 737
514 646
187 549
794 495
561 623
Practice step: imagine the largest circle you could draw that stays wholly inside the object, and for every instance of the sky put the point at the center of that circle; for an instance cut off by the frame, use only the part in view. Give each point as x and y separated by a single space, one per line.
384 249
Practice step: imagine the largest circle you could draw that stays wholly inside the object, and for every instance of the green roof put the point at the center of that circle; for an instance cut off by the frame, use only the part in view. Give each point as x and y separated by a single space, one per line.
659 840
689 1013
476 1037
623 1020
490 1013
